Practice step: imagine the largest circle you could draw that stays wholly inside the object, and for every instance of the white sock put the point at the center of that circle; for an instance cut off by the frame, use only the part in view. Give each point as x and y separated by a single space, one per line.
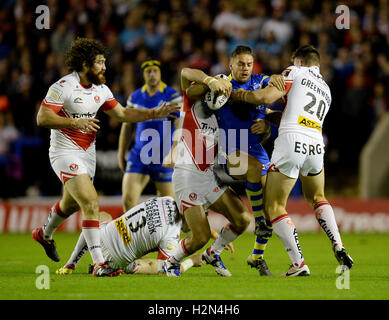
326 218
226 235
285 229
91 232
181 252
55 218
79 251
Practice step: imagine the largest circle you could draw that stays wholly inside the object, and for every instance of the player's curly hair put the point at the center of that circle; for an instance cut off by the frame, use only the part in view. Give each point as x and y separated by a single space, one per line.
83 50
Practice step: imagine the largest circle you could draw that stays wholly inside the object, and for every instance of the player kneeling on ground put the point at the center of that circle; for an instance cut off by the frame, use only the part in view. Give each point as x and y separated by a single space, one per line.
153 225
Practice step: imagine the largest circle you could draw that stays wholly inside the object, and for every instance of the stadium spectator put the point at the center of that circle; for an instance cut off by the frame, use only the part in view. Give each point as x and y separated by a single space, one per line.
106 20
379 101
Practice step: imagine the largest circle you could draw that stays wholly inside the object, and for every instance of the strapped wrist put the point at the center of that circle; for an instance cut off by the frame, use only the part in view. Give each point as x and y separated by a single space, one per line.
186 264
208 79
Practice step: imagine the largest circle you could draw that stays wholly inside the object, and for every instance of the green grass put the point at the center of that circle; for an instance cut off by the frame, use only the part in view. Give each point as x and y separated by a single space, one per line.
369 278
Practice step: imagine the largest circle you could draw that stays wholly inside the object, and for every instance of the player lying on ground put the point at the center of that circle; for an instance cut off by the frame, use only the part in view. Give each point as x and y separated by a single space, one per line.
153 225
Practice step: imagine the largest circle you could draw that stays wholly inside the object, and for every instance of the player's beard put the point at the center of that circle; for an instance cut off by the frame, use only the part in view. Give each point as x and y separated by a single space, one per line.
94 78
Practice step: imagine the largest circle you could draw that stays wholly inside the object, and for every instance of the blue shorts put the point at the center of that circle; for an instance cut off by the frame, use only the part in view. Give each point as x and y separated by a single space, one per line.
258 152
156 172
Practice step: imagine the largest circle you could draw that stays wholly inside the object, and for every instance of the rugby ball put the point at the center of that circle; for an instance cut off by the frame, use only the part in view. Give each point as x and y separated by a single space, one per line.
215 102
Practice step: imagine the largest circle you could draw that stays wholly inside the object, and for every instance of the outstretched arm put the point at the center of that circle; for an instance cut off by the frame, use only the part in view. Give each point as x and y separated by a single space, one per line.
154 266
137 115
267 95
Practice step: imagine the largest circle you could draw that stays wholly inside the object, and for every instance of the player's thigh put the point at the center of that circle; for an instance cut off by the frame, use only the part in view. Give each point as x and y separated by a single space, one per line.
237 164
254 169
81 189
277 190
164 189
230 206
132 186
313 187
198 223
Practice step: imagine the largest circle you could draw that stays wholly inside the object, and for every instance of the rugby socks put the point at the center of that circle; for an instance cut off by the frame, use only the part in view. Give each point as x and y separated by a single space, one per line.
79 251
91 232
226 235
259 247
55 218
326 218
181 252
286 231
255 198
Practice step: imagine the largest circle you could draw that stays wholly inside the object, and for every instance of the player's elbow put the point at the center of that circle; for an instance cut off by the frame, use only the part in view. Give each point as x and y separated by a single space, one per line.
185 72
41 120
270 98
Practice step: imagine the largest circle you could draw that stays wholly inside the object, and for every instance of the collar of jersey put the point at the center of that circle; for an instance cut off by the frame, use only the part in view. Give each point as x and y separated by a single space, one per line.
78 79
162 87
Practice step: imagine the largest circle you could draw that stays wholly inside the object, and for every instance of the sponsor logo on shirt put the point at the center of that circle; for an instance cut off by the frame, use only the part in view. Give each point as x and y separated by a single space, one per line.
73 166
302 121
193 196
122 229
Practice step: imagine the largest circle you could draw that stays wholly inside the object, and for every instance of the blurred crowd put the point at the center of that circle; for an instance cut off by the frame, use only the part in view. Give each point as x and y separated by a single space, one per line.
194 33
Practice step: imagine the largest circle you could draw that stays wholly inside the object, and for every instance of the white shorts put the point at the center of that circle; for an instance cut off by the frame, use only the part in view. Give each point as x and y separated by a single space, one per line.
296 154
106 244
193 187
70 163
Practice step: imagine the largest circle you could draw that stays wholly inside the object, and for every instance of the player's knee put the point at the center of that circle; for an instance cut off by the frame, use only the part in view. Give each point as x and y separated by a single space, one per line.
315 198
243 222
273 209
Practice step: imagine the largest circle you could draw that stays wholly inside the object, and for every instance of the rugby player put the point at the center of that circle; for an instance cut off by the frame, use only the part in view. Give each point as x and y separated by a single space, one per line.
139 170
153 225
195 184
299 152
245 158
69 110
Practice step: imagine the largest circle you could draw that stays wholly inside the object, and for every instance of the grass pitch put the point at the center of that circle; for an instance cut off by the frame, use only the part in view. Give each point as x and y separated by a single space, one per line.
369 278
